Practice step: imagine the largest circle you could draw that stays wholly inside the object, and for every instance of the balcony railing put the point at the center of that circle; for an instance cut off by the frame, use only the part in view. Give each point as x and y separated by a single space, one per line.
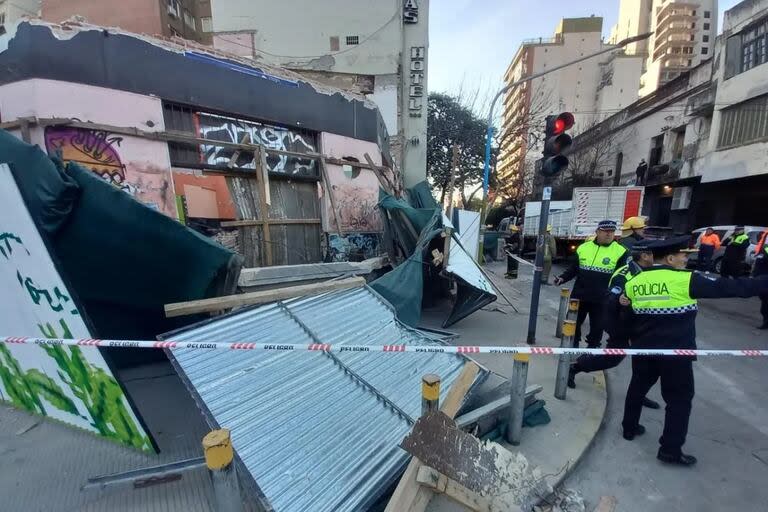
702 103
543 40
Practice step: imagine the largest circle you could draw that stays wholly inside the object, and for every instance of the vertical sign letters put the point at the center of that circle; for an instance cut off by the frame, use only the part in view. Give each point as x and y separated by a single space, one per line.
416 89
410 11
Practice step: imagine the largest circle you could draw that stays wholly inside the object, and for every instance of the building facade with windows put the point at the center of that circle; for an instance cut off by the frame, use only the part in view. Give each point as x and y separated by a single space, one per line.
588 90
684 34
378 48
737 163
188 19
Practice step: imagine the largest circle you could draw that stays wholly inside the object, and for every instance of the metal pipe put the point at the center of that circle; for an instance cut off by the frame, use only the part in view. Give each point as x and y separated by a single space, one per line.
517 399
430 393
564 362
538 269
219 457
561 311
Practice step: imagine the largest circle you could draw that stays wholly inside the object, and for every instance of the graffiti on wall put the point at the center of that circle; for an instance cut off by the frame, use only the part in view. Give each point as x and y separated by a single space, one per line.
65 383
354 247
231 130
109 157
356 194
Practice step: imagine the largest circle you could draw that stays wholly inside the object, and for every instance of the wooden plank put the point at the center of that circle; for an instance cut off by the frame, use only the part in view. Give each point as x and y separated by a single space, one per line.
233 159
409 495
387 185
257 222
329 191
264 178
607 504
339 161
260 297
439 483
264 208
493 407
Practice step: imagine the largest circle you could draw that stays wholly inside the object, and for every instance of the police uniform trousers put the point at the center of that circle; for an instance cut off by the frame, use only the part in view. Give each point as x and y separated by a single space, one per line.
595 312
590 363
676 375
512 265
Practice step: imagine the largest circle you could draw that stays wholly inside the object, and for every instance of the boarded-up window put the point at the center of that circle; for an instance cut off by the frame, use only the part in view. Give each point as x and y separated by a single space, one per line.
744 123
334 43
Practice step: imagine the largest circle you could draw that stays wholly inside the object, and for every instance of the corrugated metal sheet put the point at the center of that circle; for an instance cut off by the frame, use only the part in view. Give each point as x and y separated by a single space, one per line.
316 431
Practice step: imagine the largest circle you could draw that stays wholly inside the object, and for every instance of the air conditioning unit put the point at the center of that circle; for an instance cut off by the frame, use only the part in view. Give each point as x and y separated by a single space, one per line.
681 198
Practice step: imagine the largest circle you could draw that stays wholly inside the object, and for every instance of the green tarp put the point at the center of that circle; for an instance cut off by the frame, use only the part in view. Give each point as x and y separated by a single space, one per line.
121 259
404 287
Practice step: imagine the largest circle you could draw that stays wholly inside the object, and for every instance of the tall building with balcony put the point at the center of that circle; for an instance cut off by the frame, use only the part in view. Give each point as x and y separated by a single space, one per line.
683 36
586 89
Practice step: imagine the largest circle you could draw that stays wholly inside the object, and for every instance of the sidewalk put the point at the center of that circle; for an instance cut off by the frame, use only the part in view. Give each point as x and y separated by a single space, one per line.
557 447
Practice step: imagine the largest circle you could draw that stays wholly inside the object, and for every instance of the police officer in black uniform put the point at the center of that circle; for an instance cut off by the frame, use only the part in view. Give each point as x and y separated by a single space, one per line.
664 305
617 319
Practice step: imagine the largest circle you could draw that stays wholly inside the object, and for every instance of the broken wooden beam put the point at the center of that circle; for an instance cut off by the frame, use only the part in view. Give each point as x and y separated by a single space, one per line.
441 484
260 297
272 222
409 495
495 407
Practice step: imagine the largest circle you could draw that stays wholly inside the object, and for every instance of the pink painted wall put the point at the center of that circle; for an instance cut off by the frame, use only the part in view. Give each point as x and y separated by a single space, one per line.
356 192
140 167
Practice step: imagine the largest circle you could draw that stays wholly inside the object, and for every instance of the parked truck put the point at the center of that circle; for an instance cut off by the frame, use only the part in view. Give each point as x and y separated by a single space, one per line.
574 221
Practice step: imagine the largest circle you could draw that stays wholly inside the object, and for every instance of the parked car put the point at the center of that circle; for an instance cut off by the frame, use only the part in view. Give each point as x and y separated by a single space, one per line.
753 232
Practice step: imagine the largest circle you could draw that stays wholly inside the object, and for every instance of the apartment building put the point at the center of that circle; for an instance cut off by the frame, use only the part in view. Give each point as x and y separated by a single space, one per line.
188 19
590 90
684 34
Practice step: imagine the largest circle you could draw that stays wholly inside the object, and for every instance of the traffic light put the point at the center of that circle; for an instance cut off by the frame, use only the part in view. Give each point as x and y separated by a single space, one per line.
555 142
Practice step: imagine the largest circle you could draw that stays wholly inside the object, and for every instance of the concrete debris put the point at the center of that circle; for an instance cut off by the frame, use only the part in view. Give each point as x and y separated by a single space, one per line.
569 500
505 479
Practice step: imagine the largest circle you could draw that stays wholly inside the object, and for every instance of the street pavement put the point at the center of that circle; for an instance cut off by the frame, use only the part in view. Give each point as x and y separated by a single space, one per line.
728 430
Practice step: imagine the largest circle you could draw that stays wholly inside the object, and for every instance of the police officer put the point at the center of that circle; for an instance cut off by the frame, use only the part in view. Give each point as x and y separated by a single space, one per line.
596 260
761 269
512 246
735 253
632 231
617 319
664 305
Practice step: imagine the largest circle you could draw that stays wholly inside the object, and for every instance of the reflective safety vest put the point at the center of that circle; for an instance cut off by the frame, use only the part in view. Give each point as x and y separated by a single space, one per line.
600 258
740 239
621 271
661 292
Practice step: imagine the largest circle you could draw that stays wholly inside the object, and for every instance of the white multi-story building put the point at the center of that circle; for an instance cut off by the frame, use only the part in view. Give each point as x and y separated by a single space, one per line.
375 47
684 33
587 89
12 10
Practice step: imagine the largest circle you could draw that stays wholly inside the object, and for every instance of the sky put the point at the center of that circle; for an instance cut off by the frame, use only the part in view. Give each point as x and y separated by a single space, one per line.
471 42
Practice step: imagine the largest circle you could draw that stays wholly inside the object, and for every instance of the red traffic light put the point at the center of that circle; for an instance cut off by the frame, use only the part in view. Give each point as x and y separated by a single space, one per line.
563 122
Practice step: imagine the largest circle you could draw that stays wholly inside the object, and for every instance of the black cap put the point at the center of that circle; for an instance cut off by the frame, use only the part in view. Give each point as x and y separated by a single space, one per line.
642 246
606 225
661 248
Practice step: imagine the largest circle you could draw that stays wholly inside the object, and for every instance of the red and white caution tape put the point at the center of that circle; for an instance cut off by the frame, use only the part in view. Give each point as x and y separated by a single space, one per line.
326 347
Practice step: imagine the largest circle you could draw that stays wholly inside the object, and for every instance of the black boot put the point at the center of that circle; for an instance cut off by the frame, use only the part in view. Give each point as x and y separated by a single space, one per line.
572 371
637 431
651 404
679 459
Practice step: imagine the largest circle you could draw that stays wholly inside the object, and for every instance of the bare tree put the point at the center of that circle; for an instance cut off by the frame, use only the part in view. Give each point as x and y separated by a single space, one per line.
594 151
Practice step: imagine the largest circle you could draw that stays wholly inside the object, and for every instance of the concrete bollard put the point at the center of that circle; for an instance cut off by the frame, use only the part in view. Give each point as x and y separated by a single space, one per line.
219 457
561 311
517 401
564 363
430 393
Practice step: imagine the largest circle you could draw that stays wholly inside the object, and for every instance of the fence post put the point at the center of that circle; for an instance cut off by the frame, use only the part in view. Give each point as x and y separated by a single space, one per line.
517 400
564 363
573 310
430 393
564 292
219 457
